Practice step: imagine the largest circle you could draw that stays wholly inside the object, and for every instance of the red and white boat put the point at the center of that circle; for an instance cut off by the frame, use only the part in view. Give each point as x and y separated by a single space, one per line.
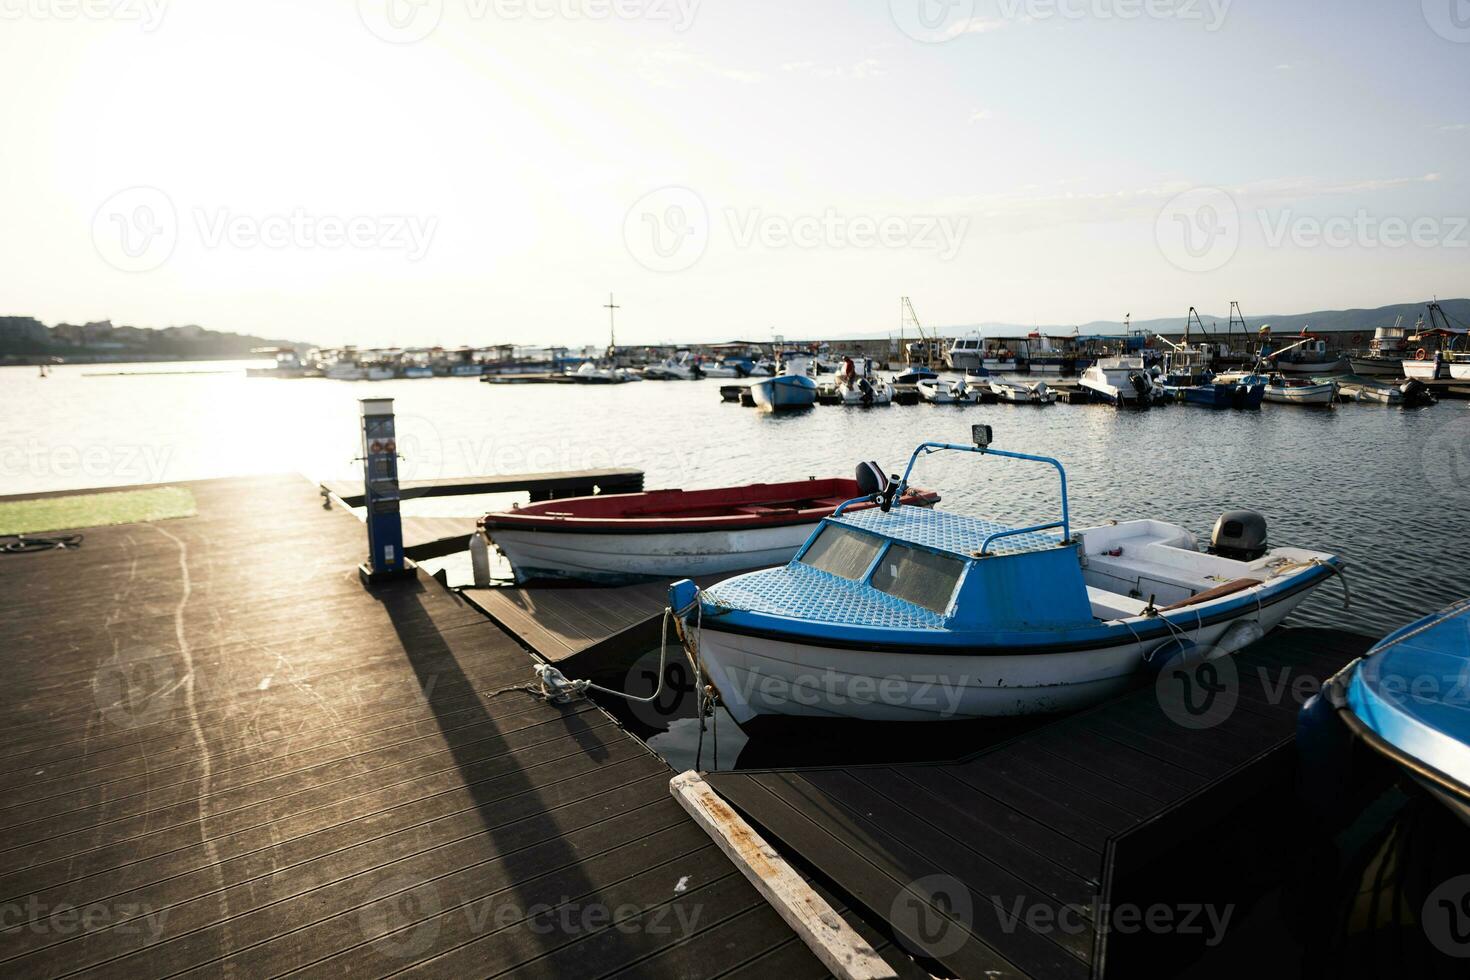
618 539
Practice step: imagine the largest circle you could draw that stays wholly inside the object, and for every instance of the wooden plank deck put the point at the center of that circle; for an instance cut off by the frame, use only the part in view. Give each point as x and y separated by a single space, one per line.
541 486
221 755
563 625
1101 807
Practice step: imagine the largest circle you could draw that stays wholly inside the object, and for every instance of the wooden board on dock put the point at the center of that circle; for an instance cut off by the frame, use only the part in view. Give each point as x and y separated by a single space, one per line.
573 626
221 754
541 486
998 864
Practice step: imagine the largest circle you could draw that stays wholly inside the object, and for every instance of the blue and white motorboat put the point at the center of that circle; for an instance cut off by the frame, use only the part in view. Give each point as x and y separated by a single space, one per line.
792 388
914 375
1406 702
900 613
1124 382
1385 783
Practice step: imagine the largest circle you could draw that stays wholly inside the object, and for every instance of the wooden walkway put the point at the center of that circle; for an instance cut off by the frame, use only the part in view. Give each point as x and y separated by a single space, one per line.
563 625
980 863
221 755
541 486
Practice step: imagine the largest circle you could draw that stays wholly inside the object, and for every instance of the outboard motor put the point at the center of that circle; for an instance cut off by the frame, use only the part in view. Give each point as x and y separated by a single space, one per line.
1239 534
866 387
1143 387
1417 393
873 482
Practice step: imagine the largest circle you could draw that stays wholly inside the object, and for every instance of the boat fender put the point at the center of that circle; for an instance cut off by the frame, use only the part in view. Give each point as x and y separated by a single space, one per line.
1239 636
1421 354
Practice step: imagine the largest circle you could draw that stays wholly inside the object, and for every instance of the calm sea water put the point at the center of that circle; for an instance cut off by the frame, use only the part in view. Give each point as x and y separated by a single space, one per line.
1388 489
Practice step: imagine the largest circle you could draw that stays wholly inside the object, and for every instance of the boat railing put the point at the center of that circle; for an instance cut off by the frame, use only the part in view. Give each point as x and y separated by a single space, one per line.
1065 524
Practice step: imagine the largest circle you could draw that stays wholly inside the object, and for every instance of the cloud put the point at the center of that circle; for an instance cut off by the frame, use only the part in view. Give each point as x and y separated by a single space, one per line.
1454 127
980 115
867 68
983 25
1283 67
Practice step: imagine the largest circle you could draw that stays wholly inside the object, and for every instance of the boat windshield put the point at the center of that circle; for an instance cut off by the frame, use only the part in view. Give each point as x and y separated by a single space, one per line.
922 577
841 552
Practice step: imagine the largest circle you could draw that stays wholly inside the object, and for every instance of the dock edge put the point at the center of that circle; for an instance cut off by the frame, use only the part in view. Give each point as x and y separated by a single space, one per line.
831 939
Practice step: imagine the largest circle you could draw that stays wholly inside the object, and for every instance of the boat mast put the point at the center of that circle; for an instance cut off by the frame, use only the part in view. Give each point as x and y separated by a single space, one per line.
1237 314
909 315
612 325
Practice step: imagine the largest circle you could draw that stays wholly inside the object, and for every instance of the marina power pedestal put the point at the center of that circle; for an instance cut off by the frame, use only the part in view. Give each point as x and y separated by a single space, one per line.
380 486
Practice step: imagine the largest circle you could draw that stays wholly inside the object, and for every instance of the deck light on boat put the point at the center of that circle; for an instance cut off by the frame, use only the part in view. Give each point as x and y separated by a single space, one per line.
982 435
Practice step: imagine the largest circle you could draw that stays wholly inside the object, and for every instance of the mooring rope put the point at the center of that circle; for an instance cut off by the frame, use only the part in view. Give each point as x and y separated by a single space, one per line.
25 544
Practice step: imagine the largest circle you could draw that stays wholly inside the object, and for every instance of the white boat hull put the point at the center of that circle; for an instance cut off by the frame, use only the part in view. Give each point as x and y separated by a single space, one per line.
1308 395
1429 370
1338 366
758 676
1460 372
616 559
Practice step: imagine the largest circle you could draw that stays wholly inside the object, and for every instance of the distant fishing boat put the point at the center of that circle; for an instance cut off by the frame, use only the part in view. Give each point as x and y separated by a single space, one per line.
858 385
791 389
1122 381
617 539
947 392
897 613
1020 393
914 375
1293 391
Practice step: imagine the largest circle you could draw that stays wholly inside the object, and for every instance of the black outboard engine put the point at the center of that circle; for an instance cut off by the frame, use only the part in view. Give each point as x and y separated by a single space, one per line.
1144 387
866 387
873 482
1239 534
1417 393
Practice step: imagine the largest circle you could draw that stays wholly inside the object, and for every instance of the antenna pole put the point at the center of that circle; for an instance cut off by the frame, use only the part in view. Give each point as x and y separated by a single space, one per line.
612 322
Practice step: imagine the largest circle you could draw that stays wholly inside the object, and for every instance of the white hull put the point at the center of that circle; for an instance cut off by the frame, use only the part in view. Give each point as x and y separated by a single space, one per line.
1338 366
346 372
757 676
1379 367
1430 370
1460 372
720 371
623 558
1037 394
945 393
381 374
1310 395
882 394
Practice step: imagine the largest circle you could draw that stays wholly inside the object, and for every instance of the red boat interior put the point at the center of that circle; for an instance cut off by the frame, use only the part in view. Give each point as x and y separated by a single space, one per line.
733 507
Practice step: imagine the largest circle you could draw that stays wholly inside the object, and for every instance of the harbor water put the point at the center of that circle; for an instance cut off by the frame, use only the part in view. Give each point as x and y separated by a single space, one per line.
1386 488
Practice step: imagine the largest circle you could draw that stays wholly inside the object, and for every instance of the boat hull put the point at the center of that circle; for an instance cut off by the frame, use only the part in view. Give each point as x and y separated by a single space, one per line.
1338 366
784 393
1220 395
624 559
1324 394
1430 370
1378 367
1460 372
759 676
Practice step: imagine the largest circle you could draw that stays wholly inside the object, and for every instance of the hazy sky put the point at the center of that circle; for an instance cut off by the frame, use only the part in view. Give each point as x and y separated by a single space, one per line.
470 171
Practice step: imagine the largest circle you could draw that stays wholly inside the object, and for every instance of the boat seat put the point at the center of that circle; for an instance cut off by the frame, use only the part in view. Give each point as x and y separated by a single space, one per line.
1108 606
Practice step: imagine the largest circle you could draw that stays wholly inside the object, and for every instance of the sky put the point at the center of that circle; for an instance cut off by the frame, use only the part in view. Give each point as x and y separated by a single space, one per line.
397 172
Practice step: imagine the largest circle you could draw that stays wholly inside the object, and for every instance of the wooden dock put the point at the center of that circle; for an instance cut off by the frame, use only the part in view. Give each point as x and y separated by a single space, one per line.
221 755
541 486
999 865
580 628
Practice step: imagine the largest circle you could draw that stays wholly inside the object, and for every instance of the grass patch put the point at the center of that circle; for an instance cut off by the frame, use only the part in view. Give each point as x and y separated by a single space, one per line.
95 510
